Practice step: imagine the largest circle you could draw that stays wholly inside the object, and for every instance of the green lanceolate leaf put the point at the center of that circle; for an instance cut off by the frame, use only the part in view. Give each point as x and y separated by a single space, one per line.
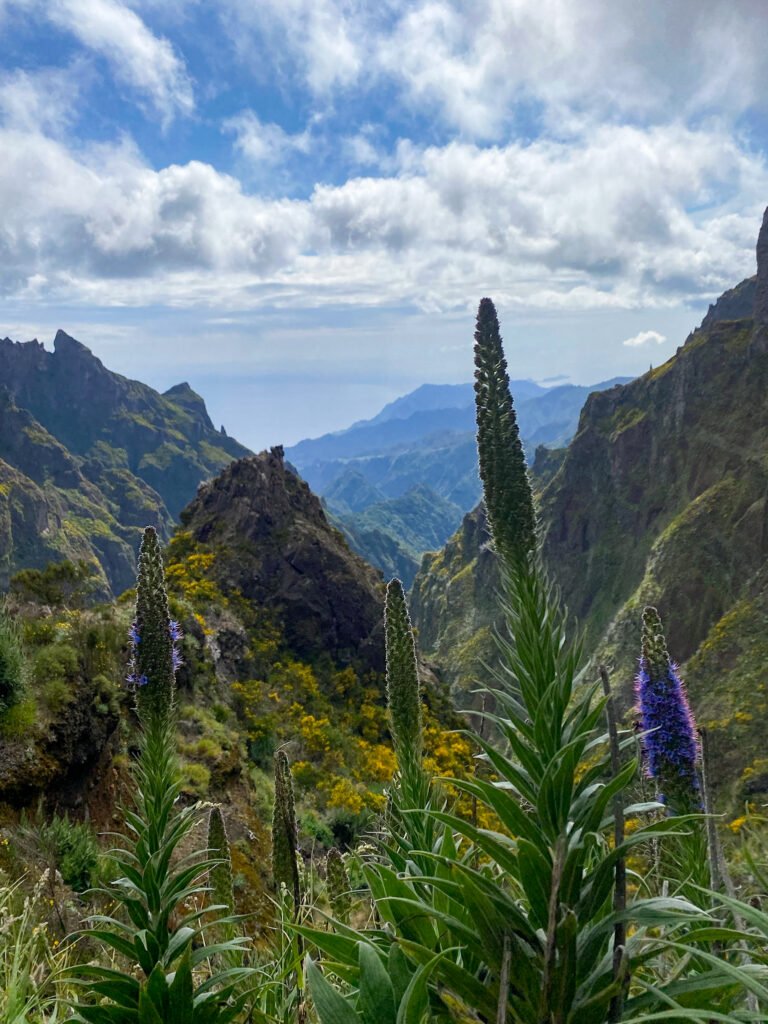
331 1006
376 997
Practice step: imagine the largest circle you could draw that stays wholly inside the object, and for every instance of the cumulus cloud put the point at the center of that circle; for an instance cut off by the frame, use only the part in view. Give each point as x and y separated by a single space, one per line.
602 223
138 58
44 100
473 64
645 338
323 39
264 143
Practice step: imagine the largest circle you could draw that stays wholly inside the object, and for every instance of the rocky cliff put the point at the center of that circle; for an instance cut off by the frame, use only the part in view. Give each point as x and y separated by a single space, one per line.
662 498
87 457
273 545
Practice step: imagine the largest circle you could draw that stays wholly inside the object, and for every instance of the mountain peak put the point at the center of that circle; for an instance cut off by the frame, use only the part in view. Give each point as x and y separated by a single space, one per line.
276 548
761 291
185 396
65 345
183 388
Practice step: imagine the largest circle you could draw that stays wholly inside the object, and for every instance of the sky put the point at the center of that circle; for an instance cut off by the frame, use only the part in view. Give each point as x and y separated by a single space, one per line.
296 205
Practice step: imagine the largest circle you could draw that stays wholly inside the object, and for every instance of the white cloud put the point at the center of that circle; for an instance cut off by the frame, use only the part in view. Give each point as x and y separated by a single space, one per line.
44 100
263 143
140 59
475 63
324 39
600 223
645 338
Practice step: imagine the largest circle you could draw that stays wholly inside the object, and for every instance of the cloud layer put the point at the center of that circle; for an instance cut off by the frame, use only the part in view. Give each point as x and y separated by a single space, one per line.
419 152
627 216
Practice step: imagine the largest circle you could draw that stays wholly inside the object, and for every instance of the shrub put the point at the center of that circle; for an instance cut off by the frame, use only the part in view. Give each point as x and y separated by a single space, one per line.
57 662
197 779
67 584
56 695
17 721
67 846
12 664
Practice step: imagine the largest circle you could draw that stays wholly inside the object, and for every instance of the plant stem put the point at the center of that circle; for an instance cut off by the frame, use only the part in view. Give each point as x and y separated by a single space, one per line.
620 879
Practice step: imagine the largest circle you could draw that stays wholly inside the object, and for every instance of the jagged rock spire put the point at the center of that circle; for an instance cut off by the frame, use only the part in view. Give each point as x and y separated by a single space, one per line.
761 291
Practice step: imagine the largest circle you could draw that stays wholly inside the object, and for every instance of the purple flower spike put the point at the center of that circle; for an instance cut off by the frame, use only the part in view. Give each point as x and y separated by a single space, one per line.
175 630
669 729
133 634
134 680
178 661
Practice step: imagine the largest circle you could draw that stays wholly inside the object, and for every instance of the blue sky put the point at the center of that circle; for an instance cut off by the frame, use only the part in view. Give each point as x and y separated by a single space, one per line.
297 204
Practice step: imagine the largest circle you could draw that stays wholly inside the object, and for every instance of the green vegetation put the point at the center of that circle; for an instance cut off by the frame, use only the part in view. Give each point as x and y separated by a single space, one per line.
59 584
513 872
87 458
393 534
659 500
12 664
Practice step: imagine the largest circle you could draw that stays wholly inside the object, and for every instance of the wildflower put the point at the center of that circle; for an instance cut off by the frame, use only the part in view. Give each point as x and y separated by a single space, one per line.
507 489
403 687
152 634
285 870
669 729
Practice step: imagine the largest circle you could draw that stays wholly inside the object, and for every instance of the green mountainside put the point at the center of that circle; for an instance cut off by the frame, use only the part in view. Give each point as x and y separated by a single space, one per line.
393 533
661 498
88 457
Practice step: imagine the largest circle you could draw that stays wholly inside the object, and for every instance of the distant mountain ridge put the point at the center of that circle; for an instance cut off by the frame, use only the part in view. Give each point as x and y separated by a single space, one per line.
87 457
420 452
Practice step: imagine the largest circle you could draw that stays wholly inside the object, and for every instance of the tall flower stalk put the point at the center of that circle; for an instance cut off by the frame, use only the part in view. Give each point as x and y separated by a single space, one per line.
154 637
669 731
285 835
411 789
403 685
506 487
158 926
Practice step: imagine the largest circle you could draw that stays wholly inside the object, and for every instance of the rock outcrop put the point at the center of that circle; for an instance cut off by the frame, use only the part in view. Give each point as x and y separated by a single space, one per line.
273 545
761 290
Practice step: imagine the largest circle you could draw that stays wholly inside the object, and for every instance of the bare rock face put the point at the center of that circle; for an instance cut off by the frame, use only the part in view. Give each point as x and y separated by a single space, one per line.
274 545
761 291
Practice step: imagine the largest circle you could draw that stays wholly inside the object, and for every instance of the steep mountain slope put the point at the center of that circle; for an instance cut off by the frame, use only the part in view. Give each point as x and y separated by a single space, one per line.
662 498
272 545
89 456
392 534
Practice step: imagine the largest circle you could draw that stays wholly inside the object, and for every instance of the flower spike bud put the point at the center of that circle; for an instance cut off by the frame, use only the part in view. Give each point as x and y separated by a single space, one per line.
220 875
153 636
669 729
506 487
403 687
285 840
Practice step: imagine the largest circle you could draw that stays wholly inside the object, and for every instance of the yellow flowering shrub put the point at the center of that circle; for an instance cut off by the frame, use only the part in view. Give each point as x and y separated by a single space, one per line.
315 734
